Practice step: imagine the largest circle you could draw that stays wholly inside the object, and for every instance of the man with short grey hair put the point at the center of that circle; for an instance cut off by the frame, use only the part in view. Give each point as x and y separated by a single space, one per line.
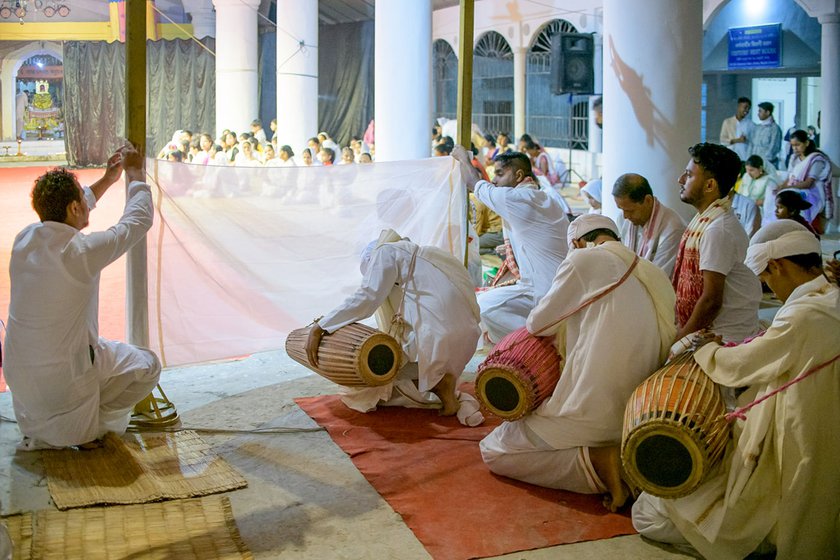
651 229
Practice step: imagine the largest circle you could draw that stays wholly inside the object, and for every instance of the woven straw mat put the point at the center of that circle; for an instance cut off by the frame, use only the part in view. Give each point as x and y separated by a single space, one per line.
136 469
199 528
20 531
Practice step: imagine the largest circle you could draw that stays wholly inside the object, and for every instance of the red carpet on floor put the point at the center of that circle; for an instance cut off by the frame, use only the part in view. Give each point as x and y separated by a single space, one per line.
429 469
15 188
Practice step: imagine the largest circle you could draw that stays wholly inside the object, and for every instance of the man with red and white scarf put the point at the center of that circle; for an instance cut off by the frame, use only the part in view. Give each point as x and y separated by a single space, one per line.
715 290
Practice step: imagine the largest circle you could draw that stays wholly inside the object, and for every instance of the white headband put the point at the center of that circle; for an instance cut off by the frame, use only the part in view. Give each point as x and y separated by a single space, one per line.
593 189
588 223
385 236
778 242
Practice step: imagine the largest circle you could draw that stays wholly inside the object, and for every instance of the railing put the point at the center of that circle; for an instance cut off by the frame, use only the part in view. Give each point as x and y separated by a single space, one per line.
492 123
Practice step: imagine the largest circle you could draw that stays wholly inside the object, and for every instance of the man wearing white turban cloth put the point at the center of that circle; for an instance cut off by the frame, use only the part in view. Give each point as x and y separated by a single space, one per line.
612 316
430 294
777 486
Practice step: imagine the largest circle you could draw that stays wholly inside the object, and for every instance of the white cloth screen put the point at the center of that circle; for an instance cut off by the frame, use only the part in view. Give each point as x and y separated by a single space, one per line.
239 256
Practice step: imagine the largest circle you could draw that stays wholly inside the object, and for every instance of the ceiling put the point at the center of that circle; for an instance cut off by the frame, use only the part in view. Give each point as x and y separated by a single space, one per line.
344 11
329 11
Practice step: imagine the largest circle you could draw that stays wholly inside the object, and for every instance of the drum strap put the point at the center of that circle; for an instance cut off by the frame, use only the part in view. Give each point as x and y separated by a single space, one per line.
580 307
397 321
740 412
594 298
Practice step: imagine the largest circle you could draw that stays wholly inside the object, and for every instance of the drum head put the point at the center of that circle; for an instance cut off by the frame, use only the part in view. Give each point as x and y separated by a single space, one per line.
664 459
379 360
502 392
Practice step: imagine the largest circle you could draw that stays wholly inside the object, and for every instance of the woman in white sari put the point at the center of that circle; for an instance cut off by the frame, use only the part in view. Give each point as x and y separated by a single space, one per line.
761 186
811 173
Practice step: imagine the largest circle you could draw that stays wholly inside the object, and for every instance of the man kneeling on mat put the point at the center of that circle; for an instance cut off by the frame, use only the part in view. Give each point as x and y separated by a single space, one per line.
423 297
777 486
613 317
70 386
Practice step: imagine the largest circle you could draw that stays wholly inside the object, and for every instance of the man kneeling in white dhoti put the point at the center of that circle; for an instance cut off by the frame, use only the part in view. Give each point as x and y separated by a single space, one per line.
777 486
612 314
430 295
69 386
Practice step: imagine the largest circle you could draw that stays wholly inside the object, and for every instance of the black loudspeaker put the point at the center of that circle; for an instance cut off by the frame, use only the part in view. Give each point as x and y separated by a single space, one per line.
571 63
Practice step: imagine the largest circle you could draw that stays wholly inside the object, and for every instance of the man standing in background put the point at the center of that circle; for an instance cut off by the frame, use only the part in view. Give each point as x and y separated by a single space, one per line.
736 130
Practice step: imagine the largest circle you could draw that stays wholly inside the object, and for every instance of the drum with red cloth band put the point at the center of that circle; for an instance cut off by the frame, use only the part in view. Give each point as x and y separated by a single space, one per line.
518 375
354 356
674 430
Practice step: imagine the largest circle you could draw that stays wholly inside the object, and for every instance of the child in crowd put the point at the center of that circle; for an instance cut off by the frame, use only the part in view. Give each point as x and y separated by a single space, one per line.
789 205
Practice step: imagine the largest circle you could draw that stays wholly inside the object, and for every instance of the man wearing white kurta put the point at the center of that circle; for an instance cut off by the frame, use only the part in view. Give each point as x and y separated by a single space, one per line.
69 386
534 222
440 315
610 344
651 229
777 485
735 132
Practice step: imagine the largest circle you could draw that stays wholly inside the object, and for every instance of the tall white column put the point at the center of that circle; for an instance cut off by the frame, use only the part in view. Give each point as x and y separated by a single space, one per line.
598 62
651 93
203 17
830 93
236 64
403 81
520 69
297 72
830 86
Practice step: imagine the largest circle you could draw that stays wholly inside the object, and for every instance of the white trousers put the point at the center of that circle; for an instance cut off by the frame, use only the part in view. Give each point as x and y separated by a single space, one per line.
124 375
127 375
651 520
505 309
514 451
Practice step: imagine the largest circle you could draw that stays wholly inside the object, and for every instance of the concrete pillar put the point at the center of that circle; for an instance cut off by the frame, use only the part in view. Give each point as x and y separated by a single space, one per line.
598 62
651 93
829 94
236 64
203 18
520 68
403 82
830 86
297 73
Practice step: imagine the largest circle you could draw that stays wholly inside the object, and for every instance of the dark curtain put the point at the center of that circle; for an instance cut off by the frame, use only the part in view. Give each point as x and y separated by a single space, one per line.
181 90
345 79
94 100
268 79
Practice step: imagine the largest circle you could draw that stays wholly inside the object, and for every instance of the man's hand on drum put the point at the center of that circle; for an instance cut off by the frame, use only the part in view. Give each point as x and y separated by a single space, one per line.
691 342
316 333
703 337
832 268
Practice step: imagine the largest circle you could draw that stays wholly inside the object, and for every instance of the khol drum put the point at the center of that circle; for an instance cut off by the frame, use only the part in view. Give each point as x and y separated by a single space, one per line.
674 430
353 356
518 375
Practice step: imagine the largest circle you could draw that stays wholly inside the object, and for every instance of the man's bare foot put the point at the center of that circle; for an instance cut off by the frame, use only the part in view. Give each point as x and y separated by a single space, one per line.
607 464
445 391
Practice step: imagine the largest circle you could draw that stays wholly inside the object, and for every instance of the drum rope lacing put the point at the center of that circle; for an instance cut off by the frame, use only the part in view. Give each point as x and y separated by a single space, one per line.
739 412
496 353
397 327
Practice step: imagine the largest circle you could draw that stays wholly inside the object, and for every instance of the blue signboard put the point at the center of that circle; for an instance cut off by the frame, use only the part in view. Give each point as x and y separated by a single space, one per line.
755 47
